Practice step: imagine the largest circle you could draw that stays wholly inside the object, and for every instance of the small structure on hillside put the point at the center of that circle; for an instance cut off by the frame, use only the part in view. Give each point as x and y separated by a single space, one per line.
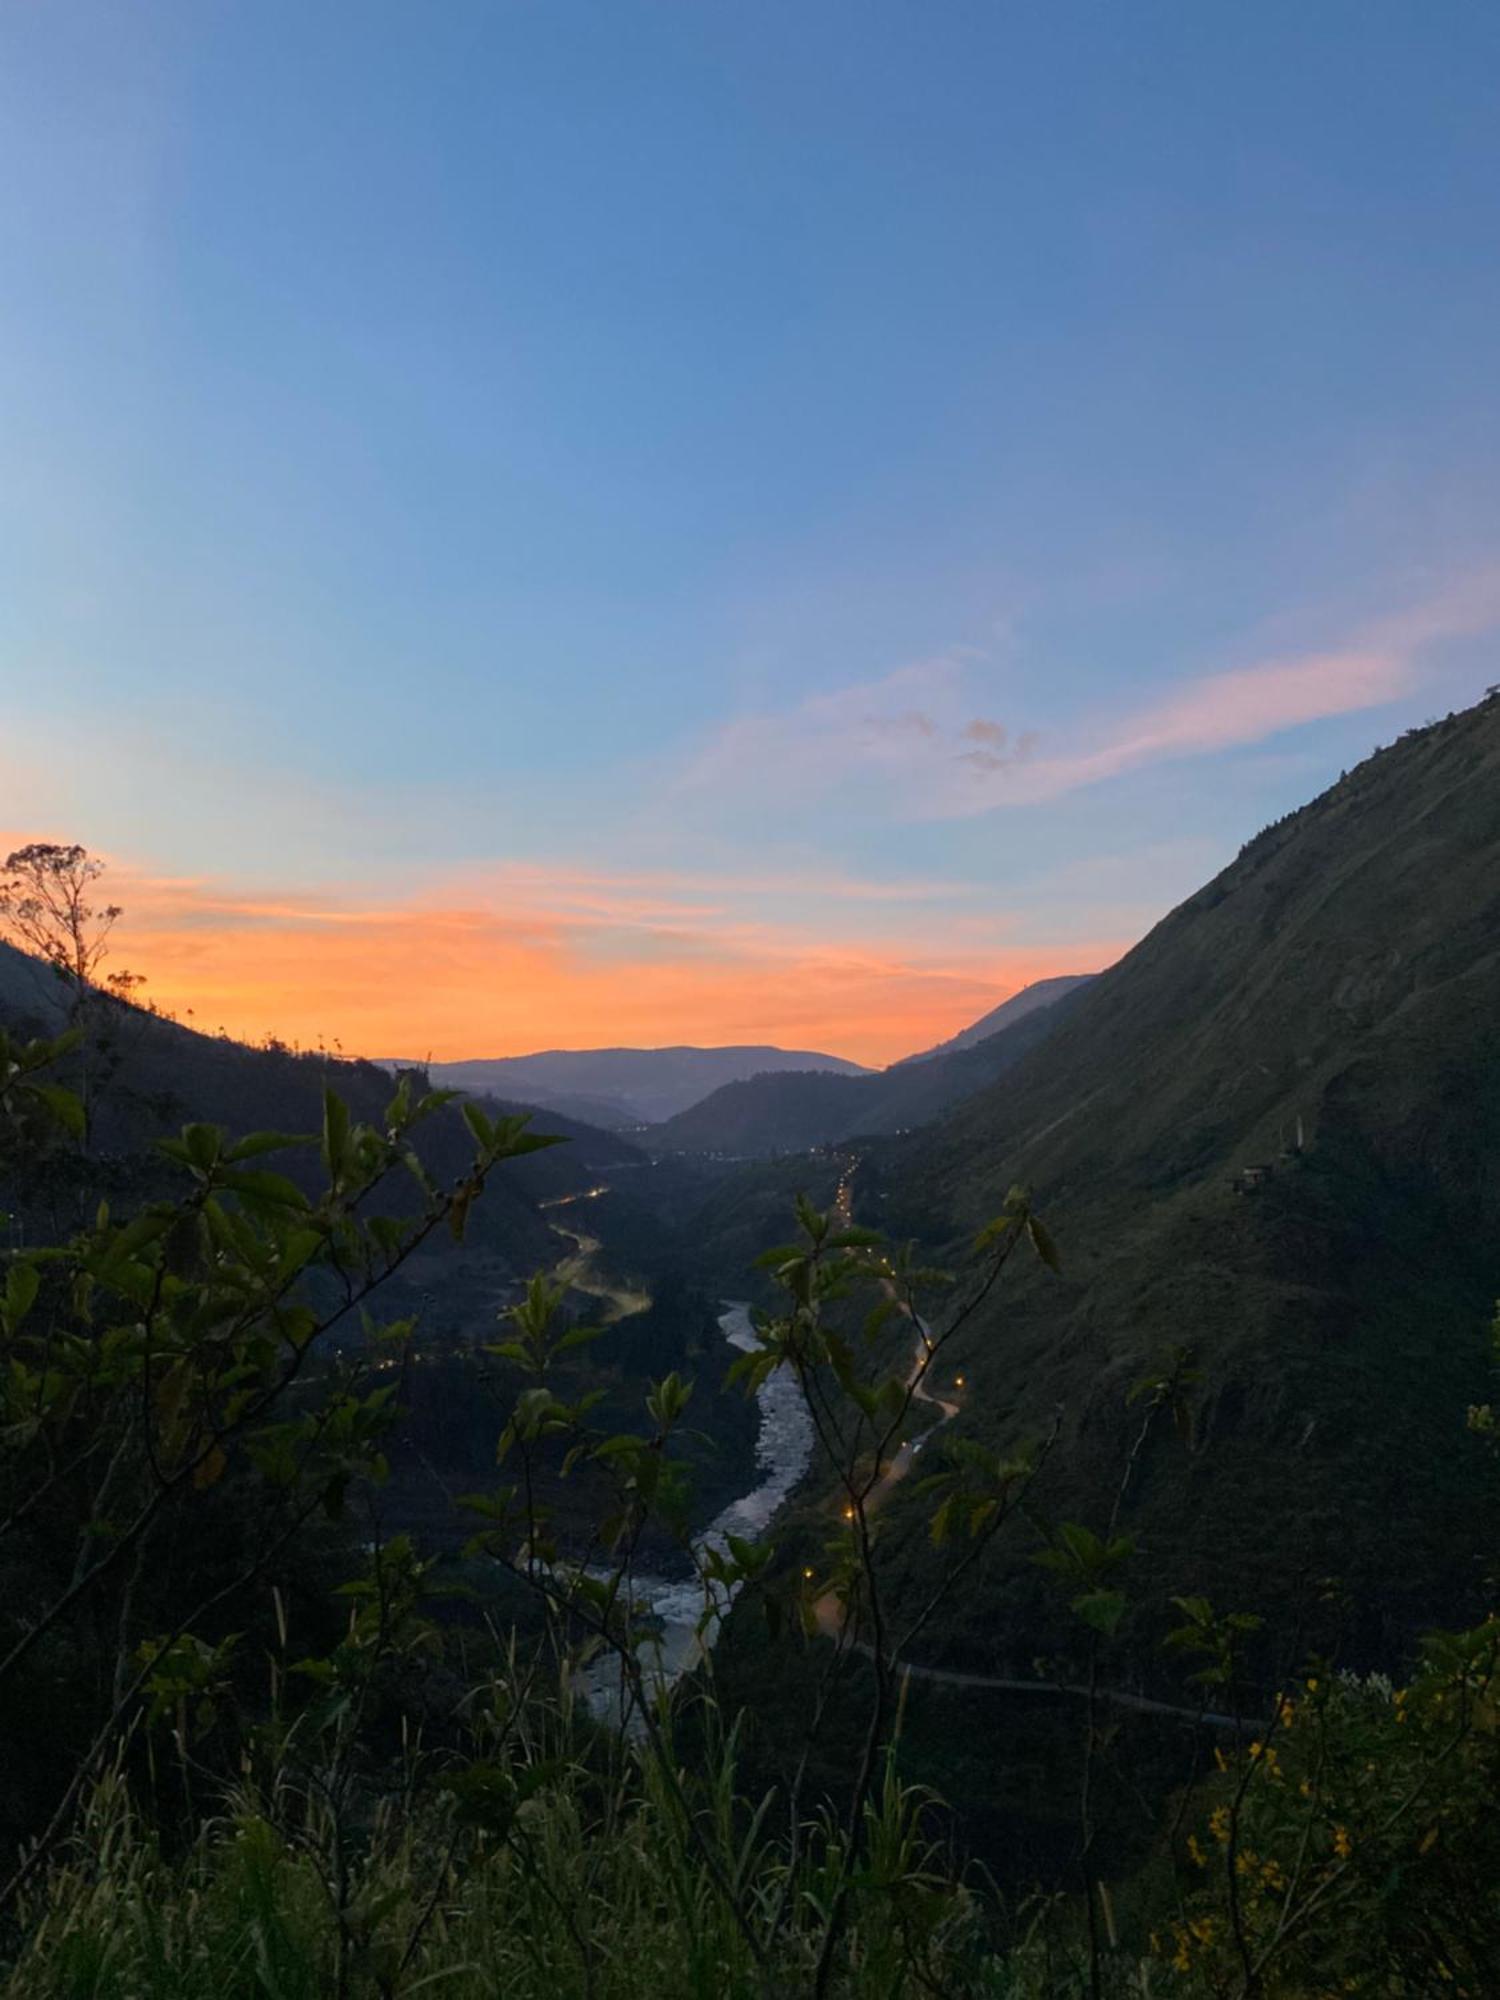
1291 1145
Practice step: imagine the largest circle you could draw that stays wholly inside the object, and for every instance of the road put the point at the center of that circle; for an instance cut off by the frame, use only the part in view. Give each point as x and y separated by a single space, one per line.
579 1272
827 1609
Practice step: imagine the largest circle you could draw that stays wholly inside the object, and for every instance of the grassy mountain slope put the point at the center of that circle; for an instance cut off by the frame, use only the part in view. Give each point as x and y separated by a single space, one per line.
1040 993
1344 971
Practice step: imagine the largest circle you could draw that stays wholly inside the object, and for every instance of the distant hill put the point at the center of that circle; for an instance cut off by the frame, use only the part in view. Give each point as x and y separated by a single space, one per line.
1040 993
627 1086
799 1109
788 1111
169 1075
1340 979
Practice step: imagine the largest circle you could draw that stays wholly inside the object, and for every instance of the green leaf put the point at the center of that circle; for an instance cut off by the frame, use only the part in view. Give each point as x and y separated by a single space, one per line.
22 1283
779 1254
258 1185
1102 1609
1043 1245
255 1143
65 1107
478 1124
994 1232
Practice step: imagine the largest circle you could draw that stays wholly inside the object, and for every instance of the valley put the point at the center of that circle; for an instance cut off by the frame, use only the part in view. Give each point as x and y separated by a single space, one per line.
1251 1163
749 1001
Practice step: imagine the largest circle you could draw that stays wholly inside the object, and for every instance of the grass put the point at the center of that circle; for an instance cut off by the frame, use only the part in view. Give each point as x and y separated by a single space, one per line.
573 1888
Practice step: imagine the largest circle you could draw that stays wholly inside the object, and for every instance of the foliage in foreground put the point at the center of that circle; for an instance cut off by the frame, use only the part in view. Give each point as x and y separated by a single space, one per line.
550 1876
1354 1850
409 1808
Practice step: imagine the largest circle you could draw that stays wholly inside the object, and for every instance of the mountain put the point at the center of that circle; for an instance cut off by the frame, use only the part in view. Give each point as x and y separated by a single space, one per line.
789 1111
1040 993
1270 1134
634 1086
799 1109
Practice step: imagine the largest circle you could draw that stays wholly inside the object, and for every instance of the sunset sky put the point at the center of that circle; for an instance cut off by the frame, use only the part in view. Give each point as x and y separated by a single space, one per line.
531 524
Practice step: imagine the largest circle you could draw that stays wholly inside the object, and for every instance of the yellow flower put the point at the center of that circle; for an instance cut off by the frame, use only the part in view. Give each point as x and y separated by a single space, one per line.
1218 1824
1312 1685
1200 1859
1343 1846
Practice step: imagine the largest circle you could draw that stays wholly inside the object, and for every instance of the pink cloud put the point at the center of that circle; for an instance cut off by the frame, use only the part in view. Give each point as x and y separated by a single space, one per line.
913 741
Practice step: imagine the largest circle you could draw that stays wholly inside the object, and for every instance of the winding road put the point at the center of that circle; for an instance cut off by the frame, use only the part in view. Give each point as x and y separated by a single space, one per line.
827 1610
785 1453
579 1270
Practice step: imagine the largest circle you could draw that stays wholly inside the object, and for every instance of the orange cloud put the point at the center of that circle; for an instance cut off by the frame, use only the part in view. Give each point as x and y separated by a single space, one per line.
557 958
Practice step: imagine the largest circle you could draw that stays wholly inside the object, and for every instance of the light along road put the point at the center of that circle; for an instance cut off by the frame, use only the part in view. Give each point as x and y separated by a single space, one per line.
827 1612
581 1273
583 1194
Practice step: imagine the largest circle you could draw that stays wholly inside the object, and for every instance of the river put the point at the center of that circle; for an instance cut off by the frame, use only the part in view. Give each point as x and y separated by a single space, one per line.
783 1453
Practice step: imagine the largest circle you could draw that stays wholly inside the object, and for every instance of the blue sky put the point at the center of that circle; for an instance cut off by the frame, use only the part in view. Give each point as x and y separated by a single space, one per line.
784 518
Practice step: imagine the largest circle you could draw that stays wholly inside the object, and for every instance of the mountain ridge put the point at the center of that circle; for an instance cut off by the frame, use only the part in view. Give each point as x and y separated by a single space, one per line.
647 1085
795 1110
1343 971
1026 1000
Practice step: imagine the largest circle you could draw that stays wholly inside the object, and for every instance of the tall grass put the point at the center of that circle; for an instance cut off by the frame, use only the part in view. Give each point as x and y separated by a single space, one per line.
552 1871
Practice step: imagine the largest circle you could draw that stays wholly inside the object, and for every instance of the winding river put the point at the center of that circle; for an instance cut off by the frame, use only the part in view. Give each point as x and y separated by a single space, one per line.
783 1453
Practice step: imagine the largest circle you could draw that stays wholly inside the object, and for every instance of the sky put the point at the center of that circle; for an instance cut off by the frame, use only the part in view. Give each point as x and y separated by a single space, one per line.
532 524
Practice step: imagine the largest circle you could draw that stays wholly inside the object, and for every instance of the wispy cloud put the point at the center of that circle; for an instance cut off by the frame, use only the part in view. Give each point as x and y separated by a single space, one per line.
925 741
498 956
502 960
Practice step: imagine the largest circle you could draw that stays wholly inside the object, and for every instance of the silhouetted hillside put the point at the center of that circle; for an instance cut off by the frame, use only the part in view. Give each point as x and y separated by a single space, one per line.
1040 993
626 1086
165 1075
800 1109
